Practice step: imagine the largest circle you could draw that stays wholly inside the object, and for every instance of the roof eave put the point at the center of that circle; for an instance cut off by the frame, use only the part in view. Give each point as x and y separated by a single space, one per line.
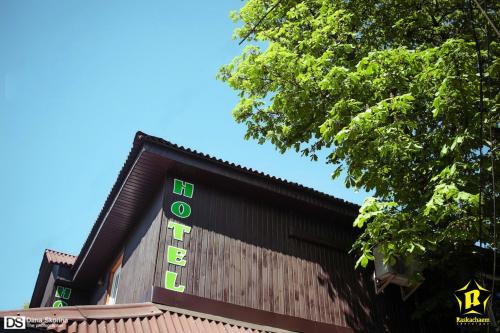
166 153
41 282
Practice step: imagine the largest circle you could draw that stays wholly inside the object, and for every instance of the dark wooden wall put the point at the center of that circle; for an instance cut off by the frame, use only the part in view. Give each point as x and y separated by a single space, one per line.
139 258
139 255
98 295
49 289
246 250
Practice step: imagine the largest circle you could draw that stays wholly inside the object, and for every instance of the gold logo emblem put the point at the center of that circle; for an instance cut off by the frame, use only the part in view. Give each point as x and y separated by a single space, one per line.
472 302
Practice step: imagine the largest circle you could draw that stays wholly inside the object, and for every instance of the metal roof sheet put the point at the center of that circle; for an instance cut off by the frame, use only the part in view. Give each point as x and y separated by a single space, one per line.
133 318
140 136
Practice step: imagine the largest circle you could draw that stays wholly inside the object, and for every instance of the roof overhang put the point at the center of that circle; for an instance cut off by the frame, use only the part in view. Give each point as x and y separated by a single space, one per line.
49 259
41 282
149 161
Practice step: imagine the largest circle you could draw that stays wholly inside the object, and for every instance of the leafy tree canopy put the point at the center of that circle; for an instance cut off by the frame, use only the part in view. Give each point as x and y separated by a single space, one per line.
391 90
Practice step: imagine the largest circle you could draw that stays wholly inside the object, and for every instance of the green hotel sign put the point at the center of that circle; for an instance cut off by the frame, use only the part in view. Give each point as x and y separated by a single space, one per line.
176 255
62 296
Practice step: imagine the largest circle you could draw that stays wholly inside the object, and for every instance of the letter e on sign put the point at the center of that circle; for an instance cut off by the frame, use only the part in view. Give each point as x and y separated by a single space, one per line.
175 256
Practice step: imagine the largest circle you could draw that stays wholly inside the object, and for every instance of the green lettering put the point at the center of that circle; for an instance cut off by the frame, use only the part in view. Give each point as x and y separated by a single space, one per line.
175 255
180 209
179 229
170 279
62 292
59 304
59 291
183 188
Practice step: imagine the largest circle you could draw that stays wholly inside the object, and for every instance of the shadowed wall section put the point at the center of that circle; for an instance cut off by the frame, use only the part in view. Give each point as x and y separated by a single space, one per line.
263 255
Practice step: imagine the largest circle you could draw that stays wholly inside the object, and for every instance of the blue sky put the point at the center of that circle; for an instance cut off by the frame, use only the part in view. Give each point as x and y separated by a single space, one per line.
77 80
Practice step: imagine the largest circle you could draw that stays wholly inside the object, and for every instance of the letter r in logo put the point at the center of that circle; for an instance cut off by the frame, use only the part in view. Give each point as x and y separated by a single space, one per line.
471 298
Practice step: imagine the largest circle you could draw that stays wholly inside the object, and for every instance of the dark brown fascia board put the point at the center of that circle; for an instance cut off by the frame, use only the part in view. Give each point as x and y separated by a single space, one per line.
99 223
41 282
212 307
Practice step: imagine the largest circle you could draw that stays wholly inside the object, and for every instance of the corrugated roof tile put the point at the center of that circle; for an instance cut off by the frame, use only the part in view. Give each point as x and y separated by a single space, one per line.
131 318
59 258
140 136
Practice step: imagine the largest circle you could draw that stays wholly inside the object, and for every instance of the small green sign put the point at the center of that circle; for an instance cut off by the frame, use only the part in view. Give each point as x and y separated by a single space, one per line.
63 292
59 304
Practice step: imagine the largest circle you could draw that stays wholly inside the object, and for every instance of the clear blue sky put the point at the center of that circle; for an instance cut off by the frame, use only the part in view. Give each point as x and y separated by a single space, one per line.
77 80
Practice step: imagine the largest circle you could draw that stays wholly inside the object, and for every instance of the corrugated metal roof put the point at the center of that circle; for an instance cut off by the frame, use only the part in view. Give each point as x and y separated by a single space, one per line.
140 136
133 318
59 258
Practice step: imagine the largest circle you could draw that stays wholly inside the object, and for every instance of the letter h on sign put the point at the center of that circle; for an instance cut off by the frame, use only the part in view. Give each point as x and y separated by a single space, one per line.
183 188
180 208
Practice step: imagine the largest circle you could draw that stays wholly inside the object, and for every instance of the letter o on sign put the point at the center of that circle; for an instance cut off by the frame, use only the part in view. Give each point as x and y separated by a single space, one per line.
180 209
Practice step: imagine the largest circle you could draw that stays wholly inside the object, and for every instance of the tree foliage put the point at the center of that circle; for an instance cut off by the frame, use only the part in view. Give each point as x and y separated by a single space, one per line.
391 90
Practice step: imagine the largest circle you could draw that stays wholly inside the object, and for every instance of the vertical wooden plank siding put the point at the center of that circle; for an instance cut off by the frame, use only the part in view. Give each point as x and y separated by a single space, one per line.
240 251
139 255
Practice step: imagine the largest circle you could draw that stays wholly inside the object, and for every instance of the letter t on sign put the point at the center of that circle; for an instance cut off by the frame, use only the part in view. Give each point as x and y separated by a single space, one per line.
179 229
183 188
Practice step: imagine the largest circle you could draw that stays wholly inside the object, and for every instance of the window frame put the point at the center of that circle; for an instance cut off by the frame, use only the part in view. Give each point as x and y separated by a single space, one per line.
117 267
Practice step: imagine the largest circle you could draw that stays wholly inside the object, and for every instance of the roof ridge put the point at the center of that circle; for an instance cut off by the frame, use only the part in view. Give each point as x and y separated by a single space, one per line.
59 258
59 252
